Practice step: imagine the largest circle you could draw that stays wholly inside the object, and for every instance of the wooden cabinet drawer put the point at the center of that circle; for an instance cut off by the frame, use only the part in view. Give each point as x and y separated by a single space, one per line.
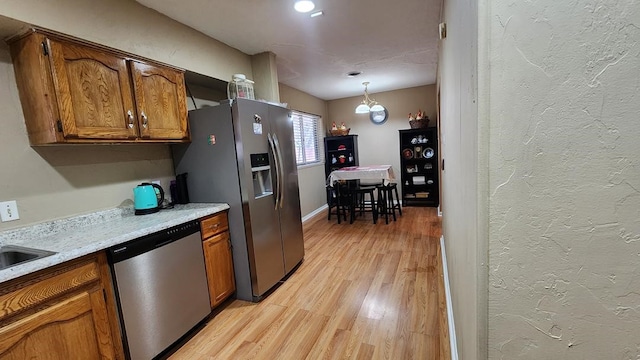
214 225
40 291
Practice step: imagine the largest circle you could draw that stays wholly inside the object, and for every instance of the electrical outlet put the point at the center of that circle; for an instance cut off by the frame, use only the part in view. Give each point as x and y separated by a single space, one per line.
9 211
157 182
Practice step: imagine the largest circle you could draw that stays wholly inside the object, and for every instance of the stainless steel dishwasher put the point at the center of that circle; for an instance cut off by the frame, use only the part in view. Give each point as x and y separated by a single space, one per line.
161 287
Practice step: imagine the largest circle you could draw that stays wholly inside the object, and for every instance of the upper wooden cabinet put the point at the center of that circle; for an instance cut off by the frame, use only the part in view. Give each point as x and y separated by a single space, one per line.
161 101
74 92
93 93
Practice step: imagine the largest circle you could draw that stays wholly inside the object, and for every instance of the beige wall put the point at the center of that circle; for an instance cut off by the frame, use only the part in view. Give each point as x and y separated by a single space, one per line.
311 179
464 191
59 181
379 144
131 27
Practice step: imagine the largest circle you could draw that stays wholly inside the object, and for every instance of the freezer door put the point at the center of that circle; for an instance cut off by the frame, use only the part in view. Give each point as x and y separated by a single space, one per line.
211 162
290 214
251 122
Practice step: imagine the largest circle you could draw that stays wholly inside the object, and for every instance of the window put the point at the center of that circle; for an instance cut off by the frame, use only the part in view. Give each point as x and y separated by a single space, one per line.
305 136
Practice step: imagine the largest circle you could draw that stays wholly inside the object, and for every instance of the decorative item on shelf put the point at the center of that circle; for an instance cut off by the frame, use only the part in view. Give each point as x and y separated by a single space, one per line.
342 147
342 159
412 169
333 159
407 153
417 152
419 121
428 153
342 130
350 158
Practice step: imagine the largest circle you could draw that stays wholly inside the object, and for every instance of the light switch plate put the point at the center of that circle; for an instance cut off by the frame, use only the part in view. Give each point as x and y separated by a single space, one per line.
9 211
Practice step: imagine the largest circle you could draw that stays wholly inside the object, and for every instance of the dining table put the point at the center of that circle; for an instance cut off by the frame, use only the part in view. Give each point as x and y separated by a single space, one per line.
378 174
370 173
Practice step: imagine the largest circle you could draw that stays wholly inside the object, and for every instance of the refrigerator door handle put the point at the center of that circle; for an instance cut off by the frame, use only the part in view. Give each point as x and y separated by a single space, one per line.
281 167
275 158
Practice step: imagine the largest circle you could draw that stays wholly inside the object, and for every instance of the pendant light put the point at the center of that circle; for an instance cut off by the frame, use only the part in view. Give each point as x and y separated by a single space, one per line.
368 104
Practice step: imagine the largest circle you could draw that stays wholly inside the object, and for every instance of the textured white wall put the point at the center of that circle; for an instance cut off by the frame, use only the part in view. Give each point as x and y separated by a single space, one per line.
564 179
463 190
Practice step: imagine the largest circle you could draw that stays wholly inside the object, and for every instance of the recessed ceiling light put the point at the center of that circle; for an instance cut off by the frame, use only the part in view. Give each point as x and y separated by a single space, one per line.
354 73
304 6
317 13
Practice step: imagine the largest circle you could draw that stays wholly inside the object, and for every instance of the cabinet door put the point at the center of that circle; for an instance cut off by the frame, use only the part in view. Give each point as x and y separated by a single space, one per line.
93 93
75 328
219 264
161 101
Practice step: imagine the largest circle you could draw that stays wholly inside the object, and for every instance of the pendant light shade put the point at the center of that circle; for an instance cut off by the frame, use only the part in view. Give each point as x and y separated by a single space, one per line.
377 107
362 109
368 104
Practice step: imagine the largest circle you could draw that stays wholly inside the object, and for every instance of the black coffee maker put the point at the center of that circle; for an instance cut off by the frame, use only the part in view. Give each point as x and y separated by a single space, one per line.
178 189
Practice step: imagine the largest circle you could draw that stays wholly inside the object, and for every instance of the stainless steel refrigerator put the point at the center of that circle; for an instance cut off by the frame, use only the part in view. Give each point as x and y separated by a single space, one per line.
242 153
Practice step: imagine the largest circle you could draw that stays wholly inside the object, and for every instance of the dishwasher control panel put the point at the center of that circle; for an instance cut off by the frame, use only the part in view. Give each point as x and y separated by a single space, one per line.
149 242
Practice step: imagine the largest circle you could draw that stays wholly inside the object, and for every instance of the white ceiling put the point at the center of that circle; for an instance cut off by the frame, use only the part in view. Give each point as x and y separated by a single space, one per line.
393 43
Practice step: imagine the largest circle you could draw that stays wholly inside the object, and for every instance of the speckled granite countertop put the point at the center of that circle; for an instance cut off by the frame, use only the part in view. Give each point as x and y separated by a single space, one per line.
81 235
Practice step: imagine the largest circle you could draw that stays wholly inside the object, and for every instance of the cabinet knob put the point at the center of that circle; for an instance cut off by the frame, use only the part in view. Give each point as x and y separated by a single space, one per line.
131 119
145 120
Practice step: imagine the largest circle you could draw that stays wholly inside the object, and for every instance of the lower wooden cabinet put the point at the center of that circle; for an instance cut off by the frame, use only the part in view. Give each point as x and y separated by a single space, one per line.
218 259
59 313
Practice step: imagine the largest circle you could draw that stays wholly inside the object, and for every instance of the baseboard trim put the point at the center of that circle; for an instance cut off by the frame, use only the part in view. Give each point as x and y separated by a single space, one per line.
447 291
314 213
439 211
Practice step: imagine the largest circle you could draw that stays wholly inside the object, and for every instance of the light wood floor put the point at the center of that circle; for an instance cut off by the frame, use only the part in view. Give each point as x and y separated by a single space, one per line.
364 291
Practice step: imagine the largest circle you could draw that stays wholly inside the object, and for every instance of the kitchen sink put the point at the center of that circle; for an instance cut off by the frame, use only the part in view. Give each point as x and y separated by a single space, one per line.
11 255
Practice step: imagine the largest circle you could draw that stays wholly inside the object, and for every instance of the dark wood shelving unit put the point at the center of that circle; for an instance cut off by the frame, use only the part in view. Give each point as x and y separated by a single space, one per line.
340 151
419 167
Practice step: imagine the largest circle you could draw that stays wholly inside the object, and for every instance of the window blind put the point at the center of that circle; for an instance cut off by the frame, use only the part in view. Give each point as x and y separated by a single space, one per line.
305 135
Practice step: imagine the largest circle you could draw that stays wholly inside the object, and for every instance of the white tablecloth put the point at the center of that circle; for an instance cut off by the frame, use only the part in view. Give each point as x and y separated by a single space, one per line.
382 173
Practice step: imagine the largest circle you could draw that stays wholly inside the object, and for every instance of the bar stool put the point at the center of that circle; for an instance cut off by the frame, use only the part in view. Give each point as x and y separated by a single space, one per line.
386 203
360 204
336 200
